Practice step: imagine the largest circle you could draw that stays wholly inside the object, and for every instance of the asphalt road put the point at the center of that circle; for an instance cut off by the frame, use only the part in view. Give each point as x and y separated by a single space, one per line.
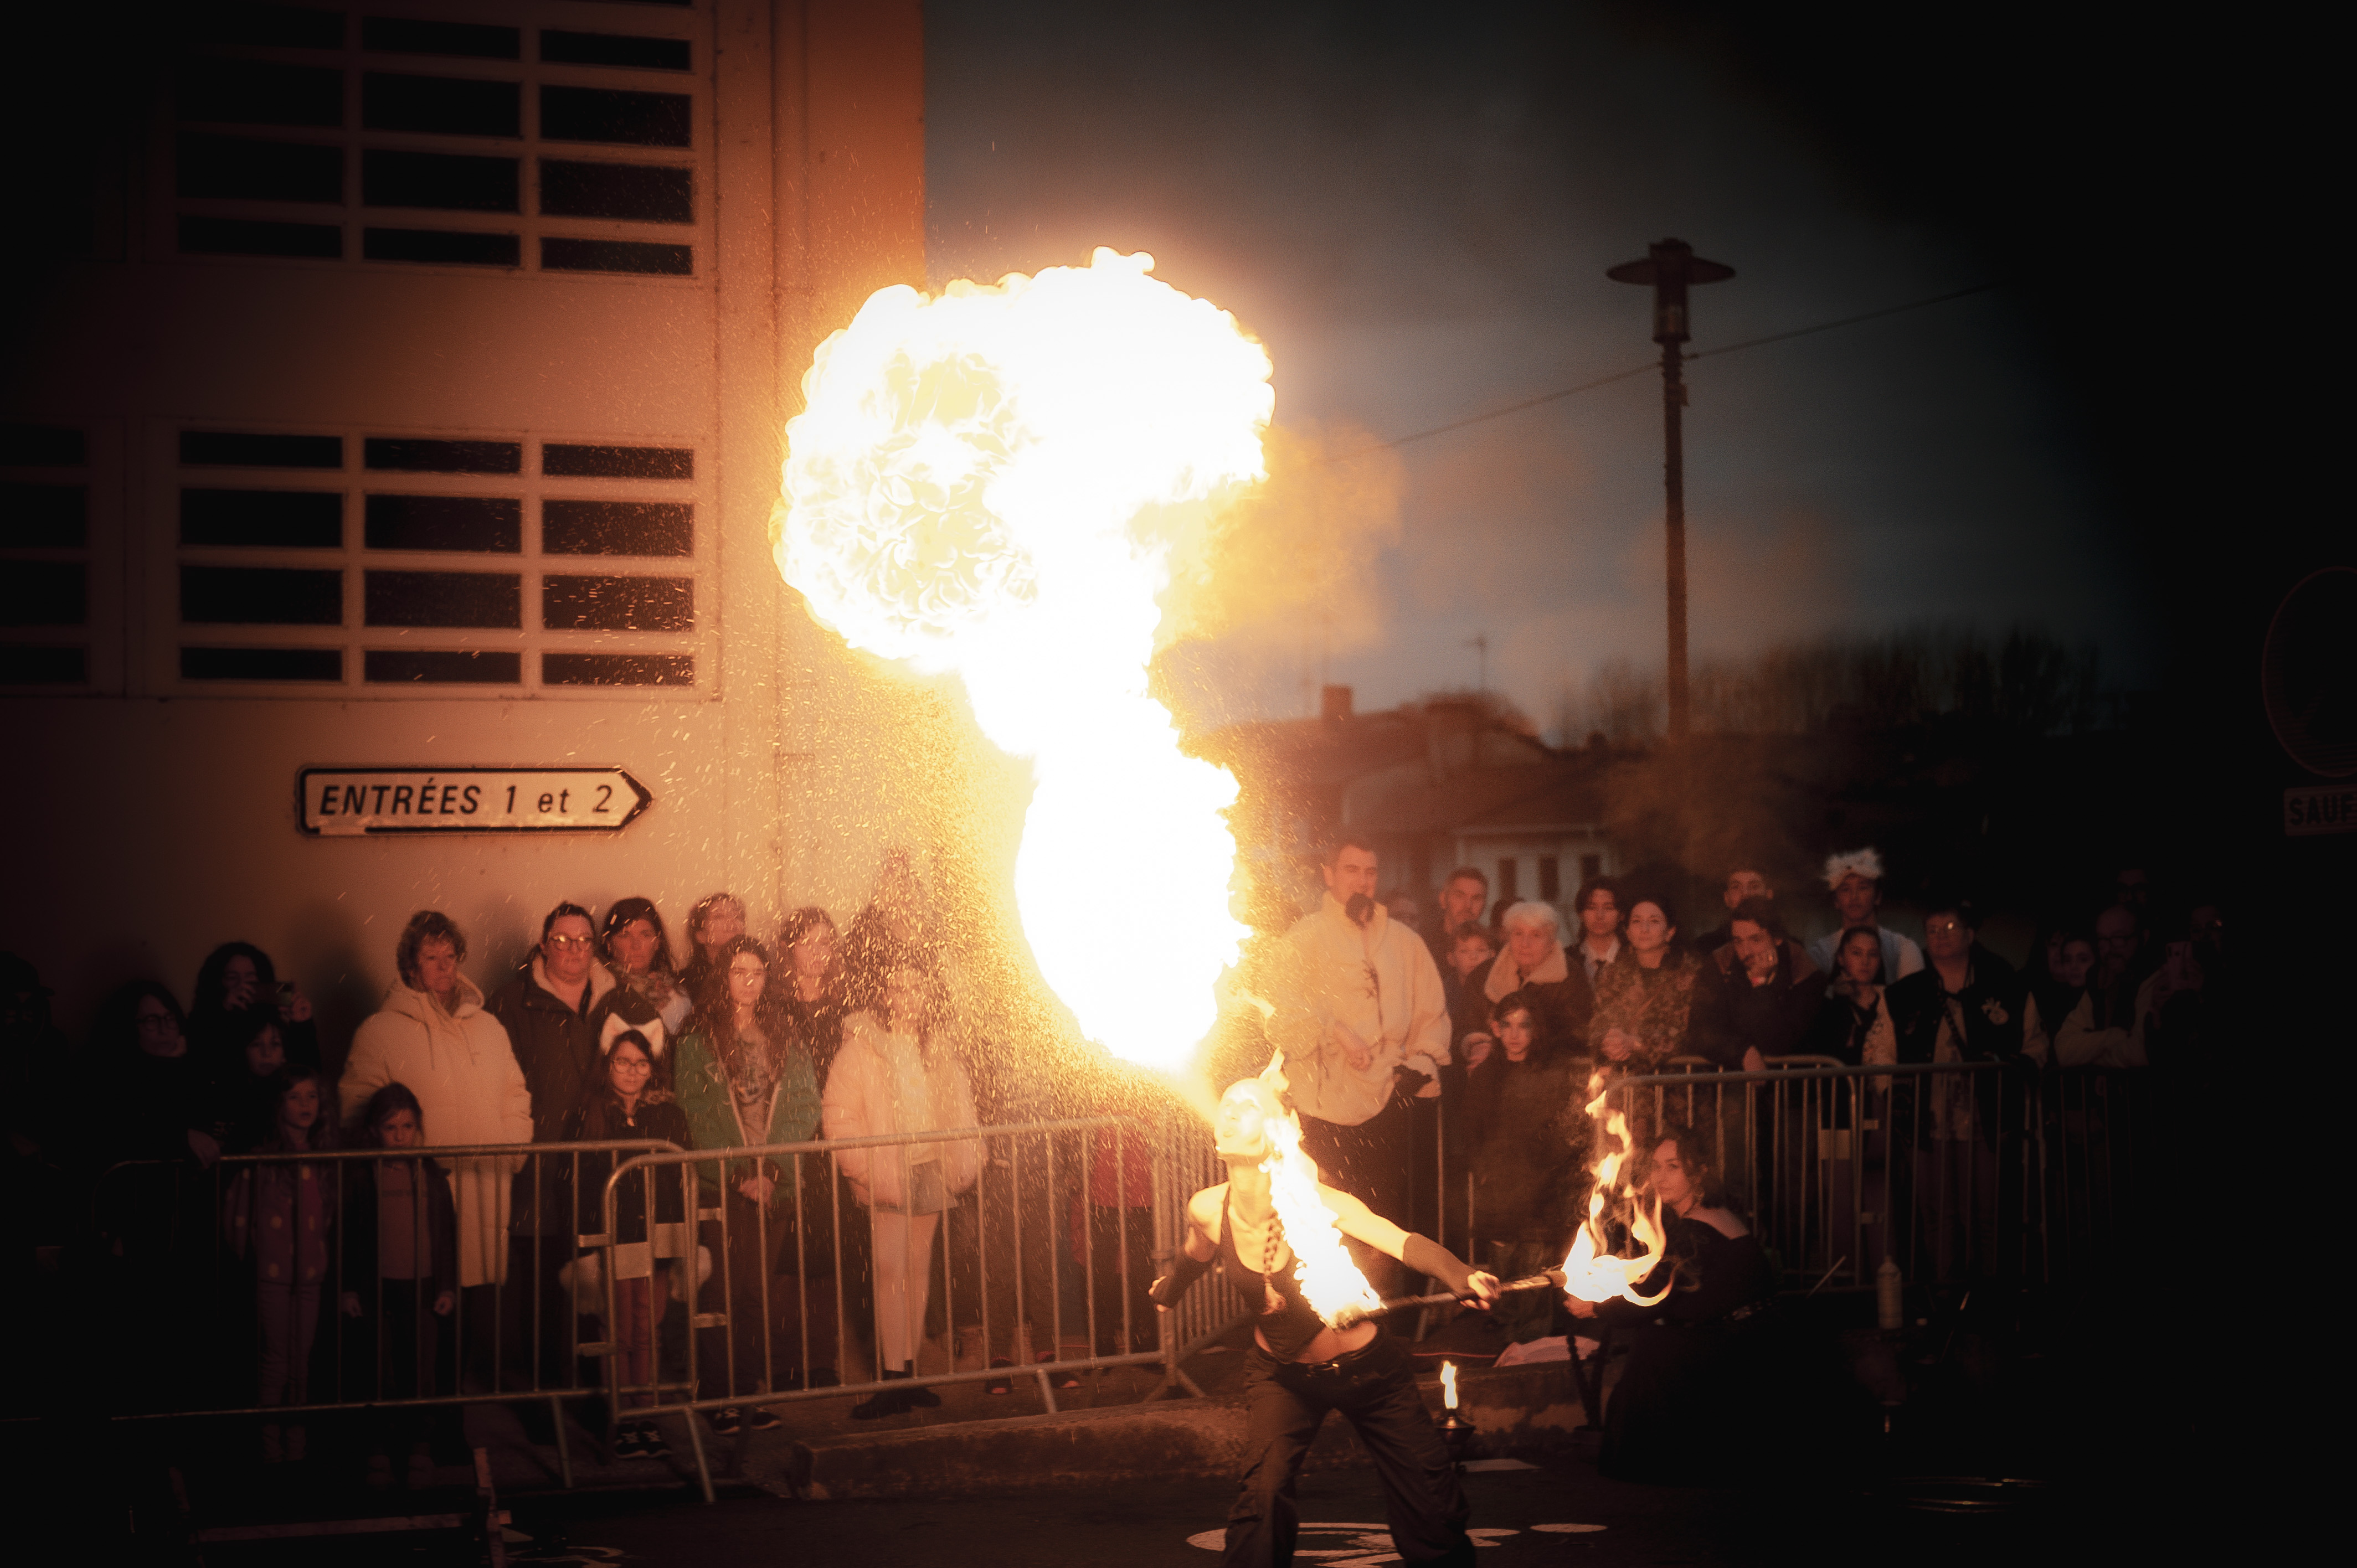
1560 1513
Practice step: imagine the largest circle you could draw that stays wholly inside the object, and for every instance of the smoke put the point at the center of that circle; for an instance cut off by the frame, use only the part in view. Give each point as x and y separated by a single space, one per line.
1297 553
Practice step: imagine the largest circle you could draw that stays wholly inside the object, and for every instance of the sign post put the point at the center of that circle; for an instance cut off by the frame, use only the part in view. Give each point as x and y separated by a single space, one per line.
355 802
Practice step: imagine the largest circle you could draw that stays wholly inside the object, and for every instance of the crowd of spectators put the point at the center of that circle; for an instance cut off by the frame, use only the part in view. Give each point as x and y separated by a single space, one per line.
1493 1022
1491 1009
475 1265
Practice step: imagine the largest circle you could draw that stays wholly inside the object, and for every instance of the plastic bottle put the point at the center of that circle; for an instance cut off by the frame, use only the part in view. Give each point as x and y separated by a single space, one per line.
1890 1296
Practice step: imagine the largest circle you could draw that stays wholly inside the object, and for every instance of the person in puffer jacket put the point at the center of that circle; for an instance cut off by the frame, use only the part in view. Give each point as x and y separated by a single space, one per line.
899 1073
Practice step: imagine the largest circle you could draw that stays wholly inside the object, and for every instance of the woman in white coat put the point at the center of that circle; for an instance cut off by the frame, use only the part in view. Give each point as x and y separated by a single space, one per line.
898 1073
433 1035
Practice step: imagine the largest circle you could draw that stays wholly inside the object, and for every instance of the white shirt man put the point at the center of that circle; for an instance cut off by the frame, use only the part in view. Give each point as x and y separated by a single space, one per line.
1359 998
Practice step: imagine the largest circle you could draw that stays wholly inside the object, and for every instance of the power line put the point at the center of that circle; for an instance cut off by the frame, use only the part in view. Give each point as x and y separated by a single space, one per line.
1847 321
1653 365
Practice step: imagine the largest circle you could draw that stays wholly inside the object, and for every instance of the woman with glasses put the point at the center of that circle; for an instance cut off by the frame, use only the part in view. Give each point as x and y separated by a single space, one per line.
158 1104
621 1103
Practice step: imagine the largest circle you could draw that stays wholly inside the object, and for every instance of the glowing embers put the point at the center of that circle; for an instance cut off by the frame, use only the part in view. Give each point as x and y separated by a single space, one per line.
990 482
1590 1271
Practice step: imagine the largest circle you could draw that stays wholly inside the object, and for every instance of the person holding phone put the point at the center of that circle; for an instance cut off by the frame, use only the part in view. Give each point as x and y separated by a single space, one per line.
1362 1023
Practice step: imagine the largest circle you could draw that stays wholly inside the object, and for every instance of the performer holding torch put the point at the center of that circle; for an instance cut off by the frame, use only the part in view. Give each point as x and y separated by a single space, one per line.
1302 1365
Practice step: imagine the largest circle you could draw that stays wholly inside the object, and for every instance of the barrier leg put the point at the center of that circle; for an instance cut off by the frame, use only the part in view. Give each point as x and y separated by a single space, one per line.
696 1441
1046 1391
494 1518
563 1449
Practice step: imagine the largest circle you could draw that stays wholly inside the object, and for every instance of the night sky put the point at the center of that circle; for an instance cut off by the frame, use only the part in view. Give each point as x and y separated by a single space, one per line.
1416 216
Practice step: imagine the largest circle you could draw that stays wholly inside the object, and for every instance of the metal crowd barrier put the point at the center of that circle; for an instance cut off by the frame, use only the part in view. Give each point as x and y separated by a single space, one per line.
1953 1171
506 1340
2005 1172
1041 1262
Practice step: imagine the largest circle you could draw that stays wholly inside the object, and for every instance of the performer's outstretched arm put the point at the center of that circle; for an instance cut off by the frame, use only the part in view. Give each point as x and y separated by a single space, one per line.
1421 1253
1196 1251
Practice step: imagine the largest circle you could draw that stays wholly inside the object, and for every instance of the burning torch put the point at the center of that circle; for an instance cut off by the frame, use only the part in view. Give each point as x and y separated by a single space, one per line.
1455 1430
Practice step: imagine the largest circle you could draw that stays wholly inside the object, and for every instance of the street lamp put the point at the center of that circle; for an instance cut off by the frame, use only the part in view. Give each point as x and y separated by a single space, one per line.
1671 266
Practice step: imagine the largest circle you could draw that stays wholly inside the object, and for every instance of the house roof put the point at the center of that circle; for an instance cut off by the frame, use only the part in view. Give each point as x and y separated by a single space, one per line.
1554 793
1438 766
1312 754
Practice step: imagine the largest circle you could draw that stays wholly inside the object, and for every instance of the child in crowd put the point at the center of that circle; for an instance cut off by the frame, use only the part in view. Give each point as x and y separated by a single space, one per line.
400 1280
253 1049
618 1104
1469 956
280 1216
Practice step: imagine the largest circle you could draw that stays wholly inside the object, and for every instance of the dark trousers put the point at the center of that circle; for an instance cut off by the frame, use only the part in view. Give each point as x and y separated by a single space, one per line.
397 1349
537 1338
1286 1403
774 1279
1370 1161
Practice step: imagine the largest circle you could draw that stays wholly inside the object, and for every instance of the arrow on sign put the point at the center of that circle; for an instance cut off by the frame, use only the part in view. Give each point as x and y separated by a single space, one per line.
338 802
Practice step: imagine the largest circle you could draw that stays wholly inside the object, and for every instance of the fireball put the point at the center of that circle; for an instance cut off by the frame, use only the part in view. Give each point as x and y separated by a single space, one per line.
991 482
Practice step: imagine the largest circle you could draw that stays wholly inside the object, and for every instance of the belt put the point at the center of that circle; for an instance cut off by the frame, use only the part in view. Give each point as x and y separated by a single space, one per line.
1345 1362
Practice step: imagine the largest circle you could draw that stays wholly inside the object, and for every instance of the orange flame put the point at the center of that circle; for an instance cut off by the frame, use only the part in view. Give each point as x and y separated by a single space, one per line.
1330 1282
1590 1271
992 483
1448 1385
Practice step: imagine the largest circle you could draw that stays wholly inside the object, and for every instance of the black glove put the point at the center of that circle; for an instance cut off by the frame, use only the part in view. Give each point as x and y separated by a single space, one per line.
1184 1272
1407 1083
1426 1256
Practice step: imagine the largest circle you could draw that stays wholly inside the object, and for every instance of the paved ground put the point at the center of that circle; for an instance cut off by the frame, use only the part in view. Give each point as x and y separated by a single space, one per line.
1559 1513
2131 1466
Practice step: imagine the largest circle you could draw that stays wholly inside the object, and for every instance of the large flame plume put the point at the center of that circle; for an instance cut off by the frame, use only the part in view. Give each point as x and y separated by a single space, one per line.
1590 1271
1330 1280
992 483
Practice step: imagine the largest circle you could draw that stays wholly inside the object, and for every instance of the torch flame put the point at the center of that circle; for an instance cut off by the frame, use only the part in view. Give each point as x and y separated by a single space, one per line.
1448 1385
1590 1271
990 482
1330 1282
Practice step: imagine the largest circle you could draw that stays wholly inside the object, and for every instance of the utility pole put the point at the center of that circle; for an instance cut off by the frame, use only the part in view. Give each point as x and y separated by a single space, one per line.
1670 268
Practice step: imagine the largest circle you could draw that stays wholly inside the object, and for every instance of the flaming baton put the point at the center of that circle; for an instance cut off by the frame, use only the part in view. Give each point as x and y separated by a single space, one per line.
1330 1282
1590 1271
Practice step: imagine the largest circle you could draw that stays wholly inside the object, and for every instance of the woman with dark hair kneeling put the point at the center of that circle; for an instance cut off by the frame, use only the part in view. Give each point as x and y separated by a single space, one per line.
1684 1410
1301 1367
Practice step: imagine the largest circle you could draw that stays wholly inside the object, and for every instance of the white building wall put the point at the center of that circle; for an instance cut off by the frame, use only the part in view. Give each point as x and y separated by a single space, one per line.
151 817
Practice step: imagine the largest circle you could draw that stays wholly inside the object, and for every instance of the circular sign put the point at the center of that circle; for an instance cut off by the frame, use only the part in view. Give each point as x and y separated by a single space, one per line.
2307 672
